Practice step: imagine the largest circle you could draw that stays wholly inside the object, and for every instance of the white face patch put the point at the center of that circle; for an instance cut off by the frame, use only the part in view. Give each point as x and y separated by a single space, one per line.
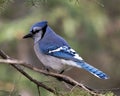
36 28
37 36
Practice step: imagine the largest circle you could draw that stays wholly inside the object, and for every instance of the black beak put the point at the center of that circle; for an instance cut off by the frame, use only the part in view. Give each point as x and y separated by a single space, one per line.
27 36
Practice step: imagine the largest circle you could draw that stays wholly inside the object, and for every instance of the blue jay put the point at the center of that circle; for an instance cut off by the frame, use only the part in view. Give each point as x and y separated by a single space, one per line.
55 53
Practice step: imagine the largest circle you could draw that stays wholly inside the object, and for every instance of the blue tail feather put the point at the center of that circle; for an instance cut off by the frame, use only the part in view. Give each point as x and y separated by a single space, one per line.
93 70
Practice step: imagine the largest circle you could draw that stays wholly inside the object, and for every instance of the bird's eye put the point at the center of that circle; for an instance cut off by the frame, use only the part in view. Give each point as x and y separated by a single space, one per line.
35 31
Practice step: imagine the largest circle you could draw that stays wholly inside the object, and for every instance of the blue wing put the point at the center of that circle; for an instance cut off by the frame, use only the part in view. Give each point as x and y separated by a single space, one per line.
69 54
64 52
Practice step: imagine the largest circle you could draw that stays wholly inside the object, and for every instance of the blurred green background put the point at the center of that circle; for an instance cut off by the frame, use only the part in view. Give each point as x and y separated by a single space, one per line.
92 28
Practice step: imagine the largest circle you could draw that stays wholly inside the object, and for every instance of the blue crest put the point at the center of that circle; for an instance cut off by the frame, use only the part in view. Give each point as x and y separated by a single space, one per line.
39 24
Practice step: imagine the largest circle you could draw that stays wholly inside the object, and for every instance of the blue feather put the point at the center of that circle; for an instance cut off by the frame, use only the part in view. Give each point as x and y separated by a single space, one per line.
58 47
55 41
48 45
39 24
65 53
93 70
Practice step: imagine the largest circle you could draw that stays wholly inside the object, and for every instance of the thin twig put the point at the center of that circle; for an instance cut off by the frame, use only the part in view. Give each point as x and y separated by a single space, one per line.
58 76
38 90
33 80
64 78
99 3
4 56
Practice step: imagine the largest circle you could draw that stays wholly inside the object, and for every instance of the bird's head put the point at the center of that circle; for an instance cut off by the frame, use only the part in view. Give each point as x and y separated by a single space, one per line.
37 30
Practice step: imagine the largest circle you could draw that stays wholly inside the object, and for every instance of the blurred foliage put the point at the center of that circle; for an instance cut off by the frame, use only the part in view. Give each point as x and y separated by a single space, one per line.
78 92
92 28
4 4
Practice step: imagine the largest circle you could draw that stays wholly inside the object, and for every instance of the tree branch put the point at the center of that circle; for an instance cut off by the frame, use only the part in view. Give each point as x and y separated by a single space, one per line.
4 56
16 64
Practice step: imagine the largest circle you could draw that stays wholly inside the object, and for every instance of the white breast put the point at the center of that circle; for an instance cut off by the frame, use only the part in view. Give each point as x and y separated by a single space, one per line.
50 61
